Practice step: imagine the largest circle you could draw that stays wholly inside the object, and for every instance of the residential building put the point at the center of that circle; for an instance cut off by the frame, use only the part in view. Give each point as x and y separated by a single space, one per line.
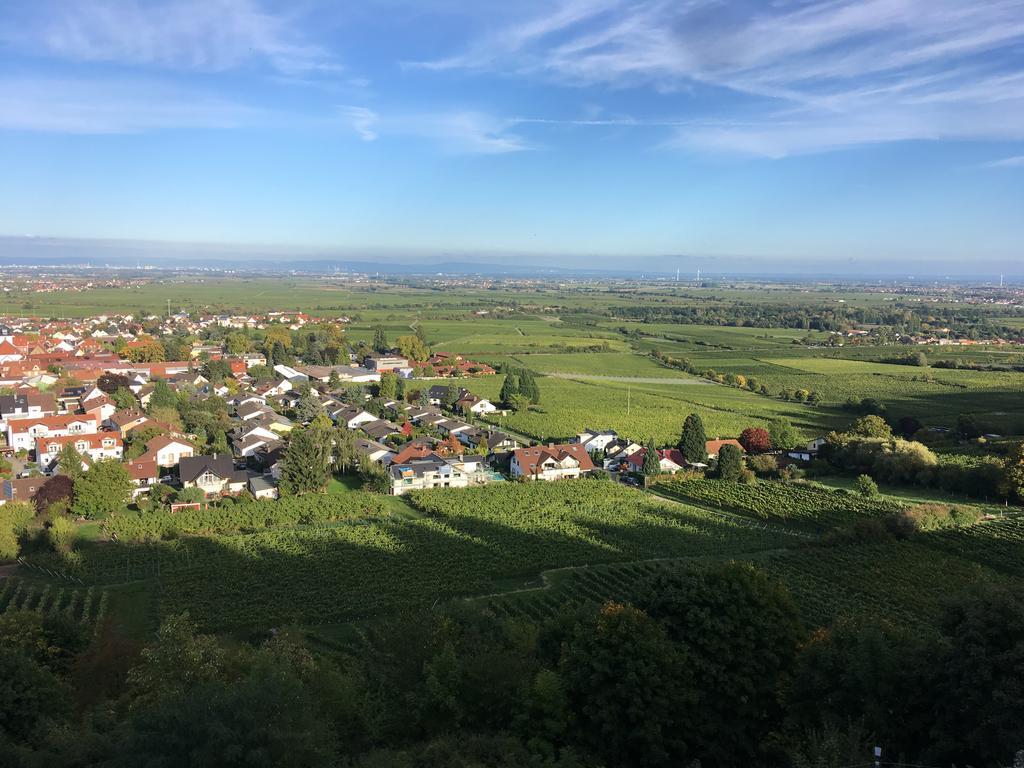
714 446
428 472
94 447
594 440
167 451
551 462
212 474
22 489
670 461
144 473
22 433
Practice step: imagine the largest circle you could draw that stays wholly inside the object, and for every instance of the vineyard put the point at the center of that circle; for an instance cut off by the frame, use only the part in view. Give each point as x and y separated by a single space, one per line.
86 605
804 506
904 582
247 517
997 544
470 541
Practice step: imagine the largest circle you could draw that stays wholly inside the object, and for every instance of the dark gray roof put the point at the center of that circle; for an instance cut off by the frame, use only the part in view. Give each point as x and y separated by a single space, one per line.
191 467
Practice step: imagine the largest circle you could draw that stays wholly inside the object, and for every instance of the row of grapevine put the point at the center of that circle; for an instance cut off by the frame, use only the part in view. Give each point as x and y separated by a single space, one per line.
791 503
469 540
900 582
87 605
247 516
998 544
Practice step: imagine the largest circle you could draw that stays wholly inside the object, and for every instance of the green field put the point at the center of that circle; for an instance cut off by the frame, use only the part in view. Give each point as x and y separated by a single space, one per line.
642 410
533 546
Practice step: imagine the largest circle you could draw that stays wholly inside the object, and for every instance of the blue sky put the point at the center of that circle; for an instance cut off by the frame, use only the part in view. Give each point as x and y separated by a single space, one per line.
592 131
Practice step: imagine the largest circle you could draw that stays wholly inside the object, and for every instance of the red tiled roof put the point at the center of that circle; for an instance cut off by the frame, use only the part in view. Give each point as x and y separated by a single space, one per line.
714 446
94 440
51 422
530 459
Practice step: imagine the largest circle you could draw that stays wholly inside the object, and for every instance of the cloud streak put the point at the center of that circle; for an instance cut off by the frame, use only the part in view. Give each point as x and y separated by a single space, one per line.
1007 162
812 76
190 35
456 132
79 106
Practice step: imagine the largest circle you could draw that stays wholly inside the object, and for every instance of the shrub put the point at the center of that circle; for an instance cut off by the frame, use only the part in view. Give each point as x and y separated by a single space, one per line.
763 466
867 486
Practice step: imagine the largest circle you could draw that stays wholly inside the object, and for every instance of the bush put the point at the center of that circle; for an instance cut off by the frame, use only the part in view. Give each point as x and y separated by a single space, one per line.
763 465
867 486
934 517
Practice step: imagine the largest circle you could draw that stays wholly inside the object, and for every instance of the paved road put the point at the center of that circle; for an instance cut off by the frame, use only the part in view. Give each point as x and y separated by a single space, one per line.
681 381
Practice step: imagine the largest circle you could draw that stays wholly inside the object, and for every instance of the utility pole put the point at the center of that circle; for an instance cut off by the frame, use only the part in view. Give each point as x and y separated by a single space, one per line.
627 401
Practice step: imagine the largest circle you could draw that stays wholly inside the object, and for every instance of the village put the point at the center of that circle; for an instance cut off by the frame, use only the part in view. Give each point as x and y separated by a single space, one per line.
80 393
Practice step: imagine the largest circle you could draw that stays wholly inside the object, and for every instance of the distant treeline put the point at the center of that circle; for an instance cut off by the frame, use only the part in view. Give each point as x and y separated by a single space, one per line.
974 323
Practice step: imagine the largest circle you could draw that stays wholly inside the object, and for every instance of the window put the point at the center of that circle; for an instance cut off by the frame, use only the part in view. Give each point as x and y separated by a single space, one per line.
81 445
52 448
108 442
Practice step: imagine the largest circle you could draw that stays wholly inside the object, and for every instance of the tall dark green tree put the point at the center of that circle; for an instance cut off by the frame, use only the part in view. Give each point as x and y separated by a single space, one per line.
979 701
730 463
304 466
693 440
509 388
528 386
451 395
652 463
162 397
380 340
388 386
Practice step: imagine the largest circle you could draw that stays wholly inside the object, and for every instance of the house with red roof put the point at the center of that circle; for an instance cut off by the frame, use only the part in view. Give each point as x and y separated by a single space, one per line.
9 353
96 447
714 446
23 433
670 460
144 474
551 462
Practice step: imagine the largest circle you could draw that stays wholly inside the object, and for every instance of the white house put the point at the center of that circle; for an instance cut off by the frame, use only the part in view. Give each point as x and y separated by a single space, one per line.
96 446
593 440
23 433
168 451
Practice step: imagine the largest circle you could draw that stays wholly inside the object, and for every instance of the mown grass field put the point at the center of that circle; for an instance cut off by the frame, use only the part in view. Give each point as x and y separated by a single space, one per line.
643 410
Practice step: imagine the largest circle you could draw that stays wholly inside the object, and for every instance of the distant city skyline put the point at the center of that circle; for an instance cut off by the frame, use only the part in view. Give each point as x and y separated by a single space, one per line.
630 134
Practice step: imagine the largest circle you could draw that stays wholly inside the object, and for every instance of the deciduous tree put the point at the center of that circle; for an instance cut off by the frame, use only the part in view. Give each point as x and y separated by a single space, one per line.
755 440
104 489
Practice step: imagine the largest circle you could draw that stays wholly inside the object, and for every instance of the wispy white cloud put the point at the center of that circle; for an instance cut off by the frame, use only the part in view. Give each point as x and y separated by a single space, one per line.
199 35
809 76
1007 162
362 120
456 132
104 107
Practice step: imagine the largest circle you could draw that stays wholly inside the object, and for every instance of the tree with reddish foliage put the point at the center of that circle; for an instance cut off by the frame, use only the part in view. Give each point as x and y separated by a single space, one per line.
111 382
755 440
59 488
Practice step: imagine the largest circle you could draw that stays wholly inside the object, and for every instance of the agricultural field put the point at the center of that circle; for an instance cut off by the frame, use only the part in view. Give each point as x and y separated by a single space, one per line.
802 506
649 409
904 581
466 542
86 605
